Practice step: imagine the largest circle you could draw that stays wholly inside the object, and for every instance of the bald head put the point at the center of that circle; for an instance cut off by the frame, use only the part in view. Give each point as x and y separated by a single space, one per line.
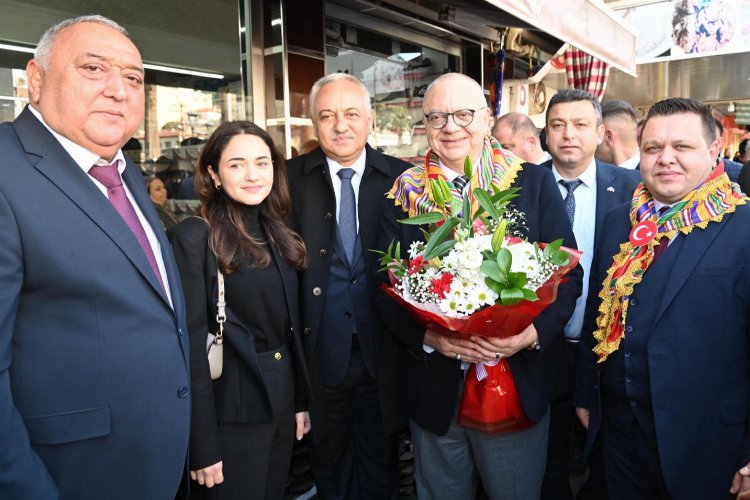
452 95
517 133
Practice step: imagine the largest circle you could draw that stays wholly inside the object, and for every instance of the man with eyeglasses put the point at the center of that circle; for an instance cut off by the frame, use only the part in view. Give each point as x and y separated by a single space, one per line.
448 456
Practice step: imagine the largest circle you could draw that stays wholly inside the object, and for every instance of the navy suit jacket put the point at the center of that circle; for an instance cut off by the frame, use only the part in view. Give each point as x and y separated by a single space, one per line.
94 380
314 215
698 353
431 380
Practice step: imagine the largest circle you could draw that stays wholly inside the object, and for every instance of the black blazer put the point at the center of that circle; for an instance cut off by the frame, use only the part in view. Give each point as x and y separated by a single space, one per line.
240 394
314 209
431 380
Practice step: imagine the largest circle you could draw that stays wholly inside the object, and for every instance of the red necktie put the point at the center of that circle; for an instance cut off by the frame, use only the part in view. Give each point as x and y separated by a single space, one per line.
110 178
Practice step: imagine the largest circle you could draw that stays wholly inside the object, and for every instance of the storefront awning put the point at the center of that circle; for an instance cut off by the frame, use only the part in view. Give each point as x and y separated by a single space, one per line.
585 24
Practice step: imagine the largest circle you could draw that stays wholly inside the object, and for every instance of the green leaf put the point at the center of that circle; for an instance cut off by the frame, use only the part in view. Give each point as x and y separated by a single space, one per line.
529 295
486 203
505 195
441 249
466 212
468 170
517 280
504 260
511 296
428 218
437 194
439 236
496 287
499 236
560 258
492 271
554 246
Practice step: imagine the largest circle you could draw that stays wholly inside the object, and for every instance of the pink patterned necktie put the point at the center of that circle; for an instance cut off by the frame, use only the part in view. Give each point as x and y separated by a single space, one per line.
110 178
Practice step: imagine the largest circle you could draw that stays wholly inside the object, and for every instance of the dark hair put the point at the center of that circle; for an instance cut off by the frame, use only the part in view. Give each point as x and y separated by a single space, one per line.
228 237
150 180
516 121
678 105
742 147
719 127
618 107
574 95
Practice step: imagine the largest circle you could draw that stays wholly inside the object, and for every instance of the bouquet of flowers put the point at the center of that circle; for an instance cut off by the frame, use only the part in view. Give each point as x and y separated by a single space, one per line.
475 275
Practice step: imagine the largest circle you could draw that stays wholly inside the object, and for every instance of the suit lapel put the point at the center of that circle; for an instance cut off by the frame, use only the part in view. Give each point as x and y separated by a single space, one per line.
57 166
690 253
283 266
371 194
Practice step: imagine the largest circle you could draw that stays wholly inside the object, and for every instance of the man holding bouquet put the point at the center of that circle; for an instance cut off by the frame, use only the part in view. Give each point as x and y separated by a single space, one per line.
449 455
664 373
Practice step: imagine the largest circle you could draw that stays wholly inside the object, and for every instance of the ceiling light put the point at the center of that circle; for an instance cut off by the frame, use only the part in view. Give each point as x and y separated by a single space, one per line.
730 108
182 71
17 48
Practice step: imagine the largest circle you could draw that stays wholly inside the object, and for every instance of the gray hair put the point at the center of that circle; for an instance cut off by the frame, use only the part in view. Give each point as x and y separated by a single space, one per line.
575 95
619 107
47 41
338 77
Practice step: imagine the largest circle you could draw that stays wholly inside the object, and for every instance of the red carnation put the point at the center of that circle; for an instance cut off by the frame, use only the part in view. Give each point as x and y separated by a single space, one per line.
415 265
442 285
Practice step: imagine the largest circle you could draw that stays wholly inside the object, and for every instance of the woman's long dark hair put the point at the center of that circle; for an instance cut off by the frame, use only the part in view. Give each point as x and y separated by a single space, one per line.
228 236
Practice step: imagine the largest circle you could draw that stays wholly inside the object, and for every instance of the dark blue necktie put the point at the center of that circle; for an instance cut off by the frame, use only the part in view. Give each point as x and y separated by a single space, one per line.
570 198
347 213
459 183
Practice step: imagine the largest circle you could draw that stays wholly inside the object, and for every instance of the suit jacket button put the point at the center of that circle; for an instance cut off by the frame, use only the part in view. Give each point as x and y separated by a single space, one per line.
328 216
183 392
308 330
277 356
323 252
317 291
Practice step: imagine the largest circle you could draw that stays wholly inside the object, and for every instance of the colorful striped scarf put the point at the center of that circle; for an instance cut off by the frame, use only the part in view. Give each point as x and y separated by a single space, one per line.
497 170
708 203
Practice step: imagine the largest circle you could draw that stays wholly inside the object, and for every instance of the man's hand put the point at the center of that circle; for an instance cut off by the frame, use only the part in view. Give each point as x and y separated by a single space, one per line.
495 348
209 476
302 420
583 416
741 483
453 347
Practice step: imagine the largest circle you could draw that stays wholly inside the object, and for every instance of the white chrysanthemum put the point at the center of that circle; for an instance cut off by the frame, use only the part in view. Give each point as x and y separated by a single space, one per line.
415 249
524 258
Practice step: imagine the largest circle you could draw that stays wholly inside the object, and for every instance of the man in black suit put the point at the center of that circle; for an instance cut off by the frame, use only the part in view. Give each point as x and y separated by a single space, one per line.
664 373
448 455
94 378
589 188
337 194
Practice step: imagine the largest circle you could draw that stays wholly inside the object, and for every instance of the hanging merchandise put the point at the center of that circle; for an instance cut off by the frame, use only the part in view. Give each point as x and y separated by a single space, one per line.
499 74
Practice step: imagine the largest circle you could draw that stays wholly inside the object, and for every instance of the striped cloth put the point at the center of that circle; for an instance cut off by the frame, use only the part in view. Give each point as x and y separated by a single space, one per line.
585 72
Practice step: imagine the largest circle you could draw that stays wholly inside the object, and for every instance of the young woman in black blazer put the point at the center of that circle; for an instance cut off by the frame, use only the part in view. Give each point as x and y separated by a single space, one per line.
244 423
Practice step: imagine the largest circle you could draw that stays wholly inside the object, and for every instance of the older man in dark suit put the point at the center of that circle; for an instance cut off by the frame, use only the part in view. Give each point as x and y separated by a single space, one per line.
590 188
448 455
664 373
94 381
337 193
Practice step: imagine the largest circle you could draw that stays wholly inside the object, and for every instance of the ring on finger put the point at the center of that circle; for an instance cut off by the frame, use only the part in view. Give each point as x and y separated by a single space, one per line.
458 356
498 355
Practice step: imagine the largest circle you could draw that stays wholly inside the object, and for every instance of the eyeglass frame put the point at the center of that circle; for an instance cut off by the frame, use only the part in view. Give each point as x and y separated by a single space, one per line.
452 115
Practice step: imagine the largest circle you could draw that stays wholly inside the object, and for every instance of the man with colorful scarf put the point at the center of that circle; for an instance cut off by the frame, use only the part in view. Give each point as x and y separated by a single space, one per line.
664 375
447 455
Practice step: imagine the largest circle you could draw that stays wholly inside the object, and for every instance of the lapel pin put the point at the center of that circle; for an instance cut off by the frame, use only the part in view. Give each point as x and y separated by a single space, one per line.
611 189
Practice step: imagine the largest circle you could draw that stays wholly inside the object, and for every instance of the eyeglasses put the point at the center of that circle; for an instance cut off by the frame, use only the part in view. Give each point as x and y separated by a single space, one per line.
461 117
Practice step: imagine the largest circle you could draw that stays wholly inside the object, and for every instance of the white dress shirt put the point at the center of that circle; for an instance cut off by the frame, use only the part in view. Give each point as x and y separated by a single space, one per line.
584 225
86 159
359 170
631 162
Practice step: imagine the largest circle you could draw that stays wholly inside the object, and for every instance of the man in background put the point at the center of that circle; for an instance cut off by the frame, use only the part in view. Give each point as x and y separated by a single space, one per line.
619 145
517 133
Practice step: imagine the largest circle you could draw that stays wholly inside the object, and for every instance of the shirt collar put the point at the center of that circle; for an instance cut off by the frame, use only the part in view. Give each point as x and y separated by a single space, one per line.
82 156
631 162
588 177
358 165
451 174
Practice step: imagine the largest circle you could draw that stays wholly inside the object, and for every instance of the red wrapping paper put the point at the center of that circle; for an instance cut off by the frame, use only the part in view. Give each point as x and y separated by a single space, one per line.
491 405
